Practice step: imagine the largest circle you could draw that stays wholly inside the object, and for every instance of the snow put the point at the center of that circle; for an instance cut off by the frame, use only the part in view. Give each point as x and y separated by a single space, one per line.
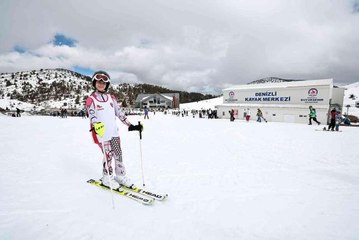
13 104
351 89
225 180
202 105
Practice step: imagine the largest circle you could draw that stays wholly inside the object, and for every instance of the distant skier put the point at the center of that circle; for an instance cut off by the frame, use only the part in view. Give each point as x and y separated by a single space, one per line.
338 120
146 113
231 115
260 116
248 114
333 115
103 109
313 115
18 112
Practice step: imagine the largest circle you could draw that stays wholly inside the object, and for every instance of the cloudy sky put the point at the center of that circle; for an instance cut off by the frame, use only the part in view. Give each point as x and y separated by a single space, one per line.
192 45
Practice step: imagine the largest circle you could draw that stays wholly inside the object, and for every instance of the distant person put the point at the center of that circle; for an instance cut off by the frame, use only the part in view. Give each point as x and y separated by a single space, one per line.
338 120
146 113
103 109
231 115
333 115
346 120
18 112
260 116
248 114
209 112
313 115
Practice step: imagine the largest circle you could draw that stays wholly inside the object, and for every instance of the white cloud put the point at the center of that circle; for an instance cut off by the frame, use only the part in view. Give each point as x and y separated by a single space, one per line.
198 45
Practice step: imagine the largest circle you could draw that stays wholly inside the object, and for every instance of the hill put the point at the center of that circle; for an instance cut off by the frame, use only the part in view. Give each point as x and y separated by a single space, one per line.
46 89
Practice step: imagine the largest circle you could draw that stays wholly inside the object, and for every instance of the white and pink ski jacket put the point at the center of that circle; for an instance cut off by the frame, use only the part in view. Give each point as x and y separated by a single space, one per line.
103 107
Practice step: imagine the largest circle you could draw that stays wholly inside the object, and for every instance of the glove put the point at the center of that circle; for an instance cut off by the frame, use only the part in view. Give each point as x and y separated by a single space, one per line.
137 127
99 128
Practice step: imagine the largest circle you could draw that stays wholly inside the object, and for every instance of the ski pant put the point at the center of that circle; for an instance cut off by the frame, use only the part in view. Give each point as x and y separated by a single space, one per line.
259 119
331 125
315 120
113 151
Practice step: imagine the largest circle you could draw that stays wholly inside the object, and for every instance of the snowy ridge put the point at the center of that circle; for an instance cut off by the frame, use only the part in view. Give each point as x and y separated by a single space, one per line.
50 89
43 89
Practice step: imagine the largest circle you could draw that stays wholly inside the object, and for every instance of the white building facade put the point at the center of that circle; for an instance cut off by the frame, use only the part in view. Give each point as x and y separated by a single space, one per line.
157 100
283 101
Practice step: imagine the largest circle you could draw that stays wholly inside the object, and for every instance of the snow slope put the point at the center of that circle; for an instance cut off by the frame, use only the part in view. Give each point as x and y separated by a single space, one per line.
225 180
202 105
351 89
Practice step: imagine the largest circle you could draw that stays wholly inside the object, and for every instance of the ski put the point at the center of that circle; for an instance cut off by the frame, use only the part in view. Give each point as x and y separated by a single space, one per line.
124 192
146 192
328 130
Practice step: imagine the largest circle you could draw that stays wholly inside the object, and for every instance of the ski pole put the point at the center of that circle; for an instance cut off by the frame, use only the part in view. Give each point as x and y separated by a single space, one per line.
108 172
143 178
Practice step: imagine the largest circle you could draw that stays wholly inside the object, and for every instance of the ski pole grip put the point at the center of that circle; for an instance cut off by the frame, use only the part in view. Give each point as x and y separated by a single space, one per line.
139 124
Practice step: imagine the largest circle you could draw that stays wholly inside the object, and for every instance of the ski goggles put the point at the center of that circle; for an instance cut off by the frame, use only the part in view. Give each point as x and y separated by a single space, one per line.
101 77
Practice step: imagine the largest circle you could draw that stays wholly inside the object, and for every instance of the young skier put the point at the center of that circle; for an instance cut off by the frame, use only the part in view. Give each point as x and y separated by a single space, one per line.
102 109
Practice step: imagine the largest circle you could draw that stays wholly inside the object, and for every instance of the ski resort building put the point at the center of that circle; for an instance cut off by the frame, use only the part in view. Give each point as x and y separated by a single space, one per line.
157 100
283 101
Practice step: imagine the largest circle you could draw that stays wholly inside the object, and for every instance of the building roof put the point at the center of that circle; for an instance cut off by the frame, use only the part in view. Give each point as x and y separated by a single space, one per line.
144 96
283 84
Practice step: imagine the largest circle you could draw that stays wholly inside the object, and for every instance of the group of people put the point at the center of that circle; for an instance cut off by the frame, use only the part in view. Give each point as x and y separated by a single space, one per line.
247 115
335 119
63 113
